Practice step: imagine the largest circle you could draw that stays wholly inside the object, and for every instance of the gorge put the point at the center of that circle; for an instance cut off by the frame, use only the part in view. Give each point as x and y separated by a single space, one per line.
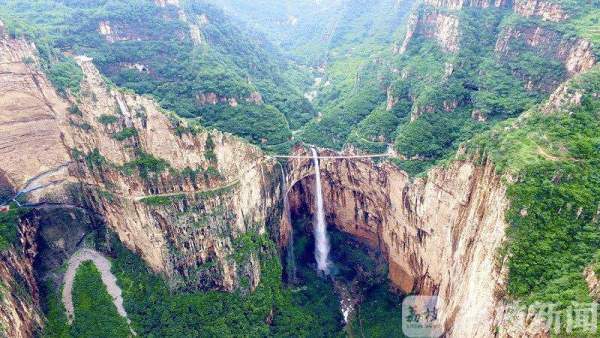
173 147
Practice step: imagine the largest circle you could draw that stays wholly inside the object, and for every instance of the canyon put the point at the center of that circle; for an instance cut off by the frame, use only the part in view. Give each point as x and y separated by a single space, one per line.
188 200
439 234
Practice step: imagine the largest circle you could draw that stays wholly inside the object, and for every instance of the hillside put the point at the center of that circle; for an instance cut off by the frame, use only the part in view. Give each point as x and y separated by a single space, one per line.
188 55
459 69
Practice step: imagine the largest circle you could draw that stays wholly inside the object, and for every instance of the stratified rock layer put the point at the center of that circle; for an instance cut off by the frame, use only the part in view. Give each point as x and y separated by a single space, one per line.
112 154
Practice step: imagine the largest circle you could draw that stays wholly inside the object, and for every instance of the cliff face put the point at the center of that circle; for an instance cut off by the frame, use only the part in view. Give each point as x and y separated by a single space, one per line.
181 197
28 125
576 54
30 144
440 234
20 312
439 20
547 10
436 25
183 220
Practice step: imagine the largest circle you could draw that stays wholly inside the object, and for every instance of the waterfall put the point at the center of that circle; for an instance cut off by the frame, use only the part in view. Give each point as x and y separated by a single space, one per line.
321 238
291 256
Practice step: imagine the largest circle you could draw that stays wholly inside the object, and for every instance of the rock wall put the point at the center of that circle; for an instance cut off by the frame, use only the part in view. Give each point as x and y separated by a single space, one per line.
208 200
440 234
439 20
459 4
547 10
20 311
577 55
437 25
204 190
28 107
30 144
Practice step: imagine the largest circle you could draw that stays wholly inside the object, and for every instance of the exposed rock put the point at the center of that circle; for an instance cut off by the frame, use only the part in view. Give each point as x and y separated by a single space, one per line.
391 99
204 99
29 125
446 106
138 67
438 25
191 239
20 311
207 98
164 3
459 4
564 97
592 281
576 54
478 116
411 28
548 10
255 98
115 31
440 234
216 195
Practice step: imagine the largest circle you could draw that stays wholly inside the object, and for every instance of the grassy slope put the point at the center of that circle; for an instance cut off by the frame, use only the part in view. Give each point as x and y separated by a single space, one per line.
555 198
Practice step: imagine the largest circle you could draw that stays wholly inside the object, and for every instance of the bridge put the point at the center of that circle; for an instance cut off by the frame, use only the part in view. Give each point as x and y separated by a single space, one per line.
333 157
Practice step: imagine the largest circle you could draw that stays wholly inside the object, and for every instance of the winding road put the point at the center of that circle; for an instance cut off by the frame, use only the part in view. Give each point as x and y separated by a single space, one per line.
109 280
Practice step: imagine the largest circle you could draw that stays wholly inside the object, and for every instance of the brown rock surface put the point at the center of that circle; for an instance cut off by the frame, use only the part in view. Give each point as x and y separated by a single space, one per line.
440 234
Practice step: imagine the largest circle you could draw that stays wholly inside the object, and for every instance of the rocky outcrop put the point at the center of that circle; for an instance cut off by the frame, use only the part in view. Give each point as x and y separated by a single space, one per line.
20 311
204 99
439 20
547 10
459 4
181 197
183 220
440 234
29 128
592 281
165 3
577 55
433 24
392 100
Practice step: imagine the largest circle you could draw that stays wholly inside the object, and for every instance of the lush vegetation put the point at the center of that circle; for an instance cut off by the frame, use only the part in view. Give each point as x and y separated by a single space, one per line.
146 165
162 200
124 134
315 32
56 324
95 313
153 51
9 226
65 75
156 311
556 197
440 99
308 309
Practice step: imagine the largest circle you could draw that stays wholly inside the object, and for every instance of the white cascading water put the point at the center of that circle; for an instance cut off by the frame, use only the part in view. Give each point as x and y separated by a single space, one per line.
291 257
322 246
